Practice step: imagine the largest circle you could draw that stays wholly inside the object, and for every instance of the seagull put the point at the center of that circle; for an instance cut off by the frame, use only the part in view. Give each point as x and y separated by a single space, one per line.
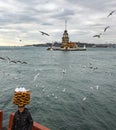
24 62
2 58
19 61
106 28
64 71
13 61
84 98
111 13
97 35
35 77
64 90
8 58
97 87
43 33
20 40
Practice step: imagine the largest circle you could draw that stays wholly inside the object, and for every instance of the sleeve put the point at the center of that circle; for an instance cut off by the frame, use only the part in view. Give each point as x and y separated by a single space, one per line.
13 123
30 120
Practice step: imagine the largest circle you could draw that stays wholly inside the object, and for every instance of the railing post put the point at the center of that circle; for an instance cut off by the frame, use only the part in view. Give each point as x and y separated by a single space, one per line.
1 118
10 121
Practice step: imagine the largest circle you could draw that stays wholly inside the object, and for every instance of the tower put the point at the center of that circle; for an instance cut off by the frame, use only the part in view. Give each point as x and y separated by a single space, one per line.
65 38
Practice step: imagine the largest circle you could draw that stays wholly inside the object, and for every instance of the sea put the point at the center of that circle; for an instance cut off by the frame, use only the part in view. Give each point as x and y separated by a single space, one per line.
70 90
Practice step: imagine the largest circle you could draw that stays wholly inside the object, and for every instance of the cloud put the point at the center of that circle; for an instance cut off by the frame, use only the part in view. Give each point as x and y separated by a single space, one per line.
25 18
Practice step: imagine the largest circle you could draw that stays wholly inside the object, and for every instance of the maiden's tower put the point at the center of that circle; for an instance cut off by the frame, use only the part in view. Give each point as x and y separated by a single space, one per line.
66 45
65 40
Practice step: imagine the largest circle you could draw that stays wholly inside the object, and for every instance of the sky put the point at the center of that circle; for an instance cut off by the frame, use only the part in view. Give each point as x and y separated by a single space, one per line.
22 20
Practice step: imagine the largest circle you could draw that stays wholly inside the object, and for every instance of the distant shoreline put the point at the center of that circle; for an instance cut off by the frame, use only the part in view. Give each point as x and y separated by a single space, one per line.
56 44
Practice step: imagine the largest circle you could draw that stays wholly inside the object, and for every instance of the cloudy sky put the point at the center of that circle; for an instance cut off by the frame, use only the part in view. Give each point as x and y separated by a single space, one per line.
22 20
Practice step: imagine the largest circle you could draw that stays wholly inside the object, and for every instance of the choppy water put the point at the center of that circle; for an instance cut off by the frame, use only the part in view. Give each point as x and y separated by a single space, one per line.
69 90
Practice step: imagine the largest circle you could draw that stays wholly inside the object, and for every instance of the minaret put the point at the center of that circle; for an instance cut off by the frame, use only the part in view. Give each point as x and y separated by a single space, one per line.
65 38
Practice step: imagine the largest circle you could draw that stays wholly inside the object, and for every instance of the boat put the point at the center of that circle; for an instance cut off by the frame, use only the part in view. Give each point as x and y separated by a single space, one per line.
36 126
67 49
50 48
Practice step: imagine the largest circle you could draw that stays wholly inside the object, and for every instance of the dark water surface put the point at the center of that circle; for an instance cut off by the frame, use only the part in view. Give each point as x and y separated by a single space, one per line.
69 90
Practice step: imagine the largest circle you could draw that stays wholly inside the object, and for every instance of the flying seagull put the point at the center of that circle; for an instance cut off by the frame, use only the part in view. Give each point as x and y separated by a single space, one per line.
97 35
106 28
20 40
2 58
111 13
43 33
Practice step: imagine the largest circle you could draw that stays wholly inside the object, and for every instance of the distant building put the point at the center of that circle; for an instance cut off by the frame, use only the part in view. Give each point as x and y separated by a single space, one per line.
65 40
66 45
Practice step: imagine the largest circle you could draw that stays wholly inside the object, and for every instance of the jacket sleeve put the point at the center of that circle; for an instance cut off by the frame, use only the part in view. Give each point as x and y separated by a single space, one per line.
30 120
13 123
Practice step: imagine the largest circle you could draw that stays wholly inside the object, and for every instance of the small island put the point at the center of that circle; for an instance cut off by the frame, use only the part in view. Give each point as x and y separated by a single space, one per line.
66 45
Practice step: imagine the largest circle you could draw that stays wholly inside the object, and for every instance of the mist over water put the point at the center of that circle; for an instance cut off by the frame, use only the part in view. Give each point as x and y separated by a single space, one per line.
70 90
